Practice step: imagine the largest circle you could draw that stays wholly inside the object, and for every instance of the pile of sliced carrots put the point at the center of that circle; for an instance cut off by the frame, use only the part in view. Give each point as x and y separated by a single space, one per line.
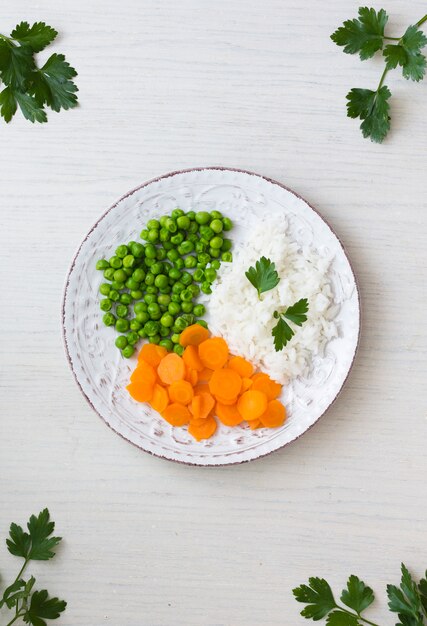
206 381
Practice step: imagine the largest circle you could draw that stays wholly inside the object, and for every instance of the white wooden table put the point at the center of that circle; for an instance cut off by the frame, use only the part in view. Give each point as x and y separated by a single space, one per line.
257 85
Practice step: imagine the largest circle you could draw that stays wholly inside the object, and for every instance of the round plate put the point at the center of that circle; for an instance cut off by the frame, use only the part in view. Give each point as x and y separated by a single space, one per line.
102 373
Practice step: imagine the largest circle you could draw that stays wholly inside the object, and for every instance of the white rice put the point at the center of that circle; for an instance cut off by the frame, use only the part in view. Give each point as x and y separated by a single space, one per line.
236 313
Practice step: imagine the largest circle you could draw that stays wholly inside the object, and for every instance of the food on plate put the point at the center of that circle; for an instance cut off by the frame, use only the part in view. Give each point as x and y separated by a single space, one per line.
151 289
204 383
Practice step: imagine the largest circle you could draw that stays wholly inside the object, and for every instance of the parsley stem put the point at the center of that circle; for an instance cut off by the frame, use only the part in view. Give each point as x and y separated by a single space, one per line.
341 608
384 74
422 20
392 38
18 615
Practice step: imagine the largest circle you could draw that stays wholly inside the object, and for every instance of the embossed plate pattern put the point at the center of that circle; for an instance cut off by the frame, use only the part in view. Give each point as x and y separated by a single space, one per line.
102 373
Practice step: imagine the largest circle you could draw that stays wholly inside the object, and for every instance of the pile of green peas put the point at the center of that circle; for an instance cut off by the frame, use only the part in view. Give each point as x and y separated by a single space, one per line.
151 288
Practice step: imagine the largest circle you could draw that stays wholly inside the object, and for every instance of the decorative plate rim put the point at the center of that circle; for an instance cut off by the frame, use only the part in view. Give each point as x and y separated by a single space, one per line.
105 213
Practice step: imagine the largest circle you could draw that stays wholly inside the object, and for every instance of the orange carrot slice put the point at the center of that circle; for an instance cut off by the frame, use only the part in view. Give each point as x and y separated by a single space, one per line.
253 424
191 376
144 373
252 404
241 366
213 353
140 391
207 404
152 354
177 414
246 384
160 398
225 383
275 414
181 392
171 369
191 358
196 404
205 374
225 401
204 430
193 335
228 415
263 382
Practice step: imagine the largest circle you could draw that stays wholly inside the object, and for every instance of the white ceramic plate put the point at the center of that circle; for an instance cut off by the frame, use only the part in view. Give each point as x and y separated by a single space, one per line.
102 373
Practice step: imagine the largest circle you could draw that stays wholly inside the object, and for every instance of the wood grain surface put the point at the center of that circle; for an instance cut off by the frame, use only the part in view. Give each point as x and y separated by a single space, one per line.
257 85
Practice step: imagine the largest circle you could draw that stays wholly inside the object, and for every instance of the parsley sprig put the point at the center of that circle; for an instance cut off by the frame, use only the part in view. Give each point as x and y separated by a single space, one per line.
365 35
263 276
409 601
282 332
28 86
38 544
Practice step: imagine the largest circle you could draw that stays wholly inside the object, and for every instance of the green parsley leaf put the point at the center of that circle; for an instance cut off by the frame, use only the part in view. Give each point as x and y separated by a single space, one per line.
19 543
318 596
30 108
42 607
408 55
16 65
364 35
263 276
51 84
7 104
422 588
340 618
37 36
405 601
282 333
22 589
372 108
357 596
297 312
42 544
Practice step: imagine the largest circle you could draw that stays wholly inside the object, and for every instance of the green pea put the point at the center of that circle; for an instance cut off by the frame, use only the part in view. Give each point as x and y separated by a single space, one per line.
190 262
150 251
121 342
109 273
193 228
153 224
202 323
155 338
199 310
153 236
194 289
179 264
122 251
200 247
175 338
174 274
191 215
161 281
177 239
142 333
128 271
160 254
178 287
174 308
157 268
140 307
181 323
138 275
102 264
186 295
186 278
198 275
109 319
122 310
216 215
163 220
135 325
172 255
203 257
183 221
215 252
114 295
185 247
216 242
142 317
227 257
178 349
164 299
164 332
137 250
131 283
202 217
206 288
149 298
105 304
125 298
151 328
167 246
187 307
149 279
227 244
164 235
120 276
117 286
227 223
167 320
207 232
132 338
104 289
210 274
116 262
154 311
193 238
177 213
136 294
122 325
217 226
164 292
171 226
175 298
128 351
166 344
144 234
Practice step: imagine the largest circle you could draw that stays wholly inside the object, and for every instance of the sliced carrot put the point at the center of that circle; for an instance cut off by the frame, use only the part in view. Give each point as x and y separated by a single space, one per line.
191 358
246 384
197 421
205 374
275 414
213 353
171 368
225 401
263 382
207 403
252 404
152 354
181 392
177 414
201 387
195 406
140 391
160 398
144 373
253 424
241 366
228 415
193 335
225 383
204 430
191 376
